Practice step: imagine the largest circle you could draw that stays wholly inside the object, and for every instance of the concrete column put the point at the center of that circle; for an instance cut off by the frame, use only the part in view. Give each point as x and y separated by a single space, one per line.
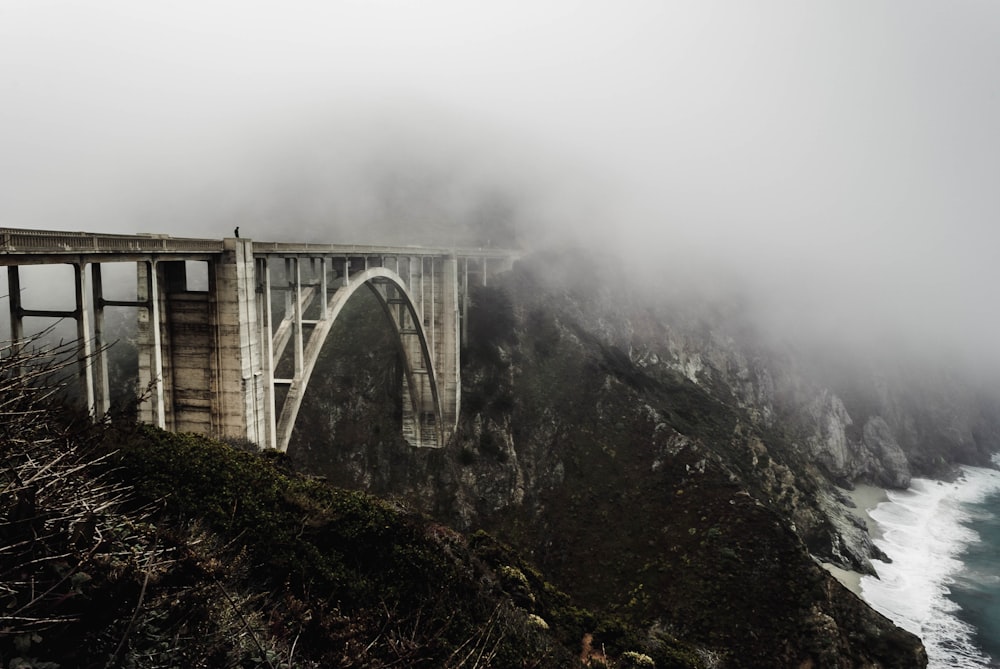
238 405
322 289
153 296
84 352
288 287
150 341
420 277
448 337
250 362
464 315
432 334
267 352
16 310
297 335
102 391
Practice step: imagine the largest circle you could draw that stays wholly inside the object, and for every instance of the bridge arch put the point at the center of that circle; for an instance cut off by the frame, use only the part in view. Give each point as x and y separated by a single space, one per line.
424 419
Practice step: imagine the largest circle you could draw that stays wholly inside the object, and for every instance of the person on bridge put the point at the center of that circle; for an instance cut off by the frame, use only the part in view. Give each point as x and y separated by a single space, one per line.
237 232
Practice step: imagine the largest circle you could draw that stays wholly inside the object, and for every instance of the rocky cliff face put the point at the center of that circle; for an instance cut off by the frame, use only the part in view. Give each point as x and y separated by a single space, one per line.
660 461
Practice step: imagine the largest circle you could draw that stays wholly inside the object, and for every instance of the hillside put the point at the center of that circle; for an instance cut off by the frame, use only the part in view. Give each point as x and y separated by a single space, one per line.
658 461
138 548
632 480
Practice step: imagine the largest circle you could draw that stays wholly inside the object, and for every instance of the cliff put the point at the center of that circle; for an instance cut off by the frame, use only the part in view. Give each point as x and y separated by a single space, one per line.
658 460
635 478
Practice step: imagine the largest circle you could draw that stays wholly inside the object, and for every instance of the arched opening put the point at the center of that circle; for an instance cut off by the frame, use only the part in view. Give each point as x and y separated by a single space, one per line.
421 413
352 411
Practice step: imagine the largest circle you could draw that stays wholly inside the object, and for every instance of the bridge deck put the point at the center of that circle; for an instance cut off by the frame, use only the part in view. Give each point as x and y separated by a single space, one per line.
20 247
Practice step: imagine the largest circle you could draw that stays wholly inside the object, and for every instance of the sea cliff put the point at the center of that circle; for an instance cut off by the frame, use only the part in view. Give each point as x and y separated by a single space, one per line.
660 460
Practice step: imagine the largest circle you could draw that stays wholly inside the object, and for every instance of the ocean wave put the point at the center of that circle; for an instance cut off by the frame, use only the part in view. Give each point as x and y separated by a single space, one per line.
925 531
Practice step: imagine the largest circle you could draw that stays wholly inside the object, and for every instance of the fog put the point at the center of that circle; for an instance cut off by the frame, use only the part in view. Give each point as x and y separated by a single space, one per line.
838 161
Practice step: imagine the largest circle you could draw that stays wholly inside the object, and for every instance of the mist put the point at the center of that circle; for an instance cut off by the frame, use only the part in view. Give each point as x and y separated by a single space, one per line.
835 163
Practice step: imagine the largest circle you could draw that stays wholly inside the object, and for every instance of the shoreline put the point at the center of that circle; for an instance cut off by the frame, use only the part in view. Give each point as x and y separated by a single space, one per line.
847 578
865 497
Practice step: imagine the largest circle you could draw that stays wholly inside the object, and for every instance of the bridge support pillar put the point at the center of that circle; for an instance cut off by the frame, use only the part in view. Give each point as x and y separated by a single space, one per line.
447 341
102 390
16 311
150 344
200 351
242 410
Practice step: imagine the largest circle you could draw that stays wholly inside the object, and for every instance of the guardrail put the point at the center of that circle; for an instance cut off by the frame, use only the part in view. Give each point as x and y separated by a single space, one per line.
14 240
318 250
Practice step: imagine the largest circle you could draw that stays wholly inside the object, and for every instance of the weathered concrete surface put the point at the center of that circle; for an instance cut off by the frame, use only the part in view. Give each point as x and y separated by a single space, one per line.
209 356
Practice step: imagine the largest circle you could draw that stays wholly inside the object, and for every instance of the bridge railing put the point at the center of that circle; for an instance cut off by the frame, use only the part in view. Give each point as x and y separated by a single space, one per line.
297 248
307 249
14 240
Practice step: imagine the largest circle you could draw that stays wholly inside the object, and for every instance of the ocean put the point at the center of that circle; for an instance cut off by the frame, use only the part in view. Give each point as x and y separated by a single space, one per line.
943 583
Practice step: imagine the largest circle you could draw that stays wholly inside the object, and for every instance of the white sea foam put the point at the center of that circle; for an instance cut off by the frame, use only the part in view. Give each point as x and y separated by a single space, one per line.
922 532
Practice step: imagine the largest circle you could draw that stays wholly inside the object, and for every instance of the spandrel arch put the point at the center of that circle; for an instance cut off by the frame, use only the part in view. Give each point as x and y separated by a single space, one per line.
425 422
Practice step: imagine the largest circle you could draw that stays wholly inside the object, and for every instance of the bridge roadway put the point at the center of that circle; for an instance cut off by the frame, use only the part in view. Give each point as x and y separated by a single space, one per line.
233 359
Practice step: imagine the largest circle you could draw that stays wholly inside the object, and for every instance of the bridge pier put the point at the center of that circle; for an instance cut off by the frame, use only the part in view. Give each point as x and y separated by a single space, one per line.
200 350
265 341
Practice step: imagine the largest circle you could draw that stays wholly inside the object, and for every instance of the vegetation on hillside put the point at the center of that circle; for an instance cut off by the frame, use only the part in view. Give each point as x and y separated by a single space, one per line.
128 546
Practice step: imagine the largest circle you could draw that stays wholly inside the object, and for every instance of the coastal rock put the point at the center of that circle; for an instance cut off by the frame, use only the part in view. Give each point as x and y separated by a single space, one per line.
829 442
891 466
876 457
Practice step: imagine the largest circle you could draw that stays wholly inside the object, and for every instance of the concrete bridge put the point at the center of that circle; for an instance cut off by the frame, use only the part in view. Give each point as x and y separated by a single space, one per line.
233 358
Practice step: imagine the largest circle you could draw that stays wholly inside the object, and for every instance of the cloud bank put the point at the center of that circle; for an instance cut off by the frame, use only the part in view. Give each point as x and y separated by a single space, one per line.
837 161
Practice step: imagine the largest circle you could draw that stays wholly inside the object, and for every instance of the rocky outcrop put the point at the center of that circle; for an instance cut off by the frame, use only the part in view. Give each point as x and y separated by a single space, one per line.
852 436
847 454
888 462
828 441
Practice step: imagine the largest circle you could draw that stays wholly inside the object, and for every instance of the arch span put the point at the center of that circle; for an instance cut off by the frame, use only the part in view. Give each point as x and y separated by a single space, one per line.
425 422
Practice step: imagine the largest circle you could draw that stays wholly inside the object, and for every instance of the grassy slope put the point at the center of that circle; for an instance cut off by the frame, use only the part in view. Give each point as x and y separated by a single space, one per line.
222 558
358 581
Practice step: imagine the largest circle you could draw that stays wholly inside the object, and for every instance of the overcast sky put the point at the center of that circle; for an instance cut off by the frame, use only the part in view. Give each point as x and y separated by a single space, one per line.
838 152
